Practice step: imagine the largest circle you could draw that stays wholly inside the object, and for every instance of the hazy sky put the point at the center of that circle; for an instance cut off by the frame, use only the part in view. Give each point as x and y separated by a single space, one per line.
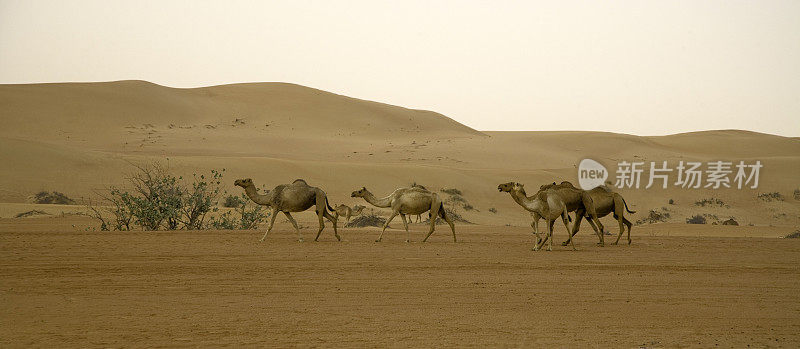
641 67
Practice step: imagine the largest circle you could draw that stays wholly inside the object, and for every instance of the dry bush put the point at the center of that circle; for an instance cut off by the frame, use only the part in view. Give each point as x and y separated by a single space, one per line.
492 210
655 216
711 202
366 220
773 196
696 219
55 197
31 213
794 235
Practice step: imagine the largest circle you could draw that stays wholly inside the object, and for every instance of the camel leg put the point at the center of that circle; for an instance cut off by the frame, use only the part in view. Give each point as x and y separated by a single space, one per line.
334 221
566 224
271 223
621 229
321 224
386 225
294 223
405 226
433 214
550 225
535 226
597 232
575 227
629 224
449 221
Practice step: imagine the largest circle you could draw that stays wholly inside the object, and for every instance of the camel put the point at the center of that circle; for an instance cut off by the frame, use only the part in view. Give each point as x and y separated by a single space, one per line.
347 212
409 201
295 197
547 205
607 201
579 201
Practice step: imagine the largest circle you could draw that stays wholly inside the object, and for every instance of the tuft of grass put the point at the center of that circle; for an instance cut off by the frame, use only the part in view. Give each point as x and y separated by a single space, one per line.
493 210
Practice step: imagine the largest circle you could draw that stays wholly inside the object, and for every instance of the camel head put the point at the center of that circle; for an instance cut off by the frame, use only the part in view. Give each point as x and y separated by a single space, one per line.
244 183
506 187
359 193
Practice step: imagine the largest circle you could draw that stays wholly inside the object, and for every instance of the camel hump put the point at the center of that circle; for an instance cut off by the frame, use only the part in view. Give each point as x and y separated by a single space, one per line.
300 180
567 184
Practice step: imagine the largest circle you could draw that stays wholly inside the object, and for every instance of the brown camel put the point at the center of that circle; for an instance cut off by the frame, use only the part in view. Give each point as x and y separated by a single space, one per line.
578 201
607 201
347 212
295 197
547 204
409 201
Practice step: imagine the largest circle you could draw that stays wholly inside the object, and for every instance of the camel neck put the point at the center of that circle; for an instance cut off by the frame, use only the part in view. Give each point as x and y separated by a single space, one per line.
376 202
253 194
528 203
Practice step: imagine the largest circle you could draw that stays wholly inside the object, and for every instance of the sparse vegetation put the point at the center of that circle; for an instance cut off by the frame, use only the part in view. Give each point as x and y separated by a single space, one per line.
671 202
245 217
730 221
796 194
773 196
793 235
367 220
30 213
155 199
452 191
56 198
696 219
453 215
232 201
655 216
492 210
711 202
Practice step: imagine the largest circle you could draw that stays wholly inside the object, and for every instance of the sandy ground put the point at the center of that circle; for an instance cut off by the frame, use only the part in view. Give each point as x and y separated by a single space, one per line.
65 287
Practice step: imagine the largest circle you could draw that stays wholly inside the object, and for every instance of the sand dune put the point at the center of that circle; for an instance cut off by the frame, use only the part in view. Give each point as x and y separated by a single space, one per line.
79 137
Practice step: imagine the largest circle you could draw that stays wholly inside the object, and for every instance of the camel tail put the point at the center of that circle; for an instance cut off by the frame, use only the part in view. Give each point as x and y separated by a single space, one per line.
626 206
329 205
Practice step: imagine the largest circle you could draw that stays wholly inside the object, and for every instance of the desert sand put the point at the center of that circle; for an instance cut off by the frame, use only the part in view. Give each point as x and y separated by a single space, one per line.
677 285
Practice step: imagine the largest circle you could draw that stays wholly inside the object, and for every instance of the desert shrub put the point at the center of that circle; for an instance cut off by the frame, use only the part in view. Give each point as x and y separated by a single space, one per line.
157 199
671 202
468 207
452 191
492 210
730 221
710 202
794 235
233 201
30 213
366 220
773 196
655 216
55 197
245 217
696 219
453 215
796 194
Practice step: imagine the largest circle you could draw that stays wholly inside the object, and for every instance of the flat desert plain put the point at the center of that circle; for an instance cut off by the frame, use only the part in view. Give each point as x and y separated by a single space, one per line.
65 283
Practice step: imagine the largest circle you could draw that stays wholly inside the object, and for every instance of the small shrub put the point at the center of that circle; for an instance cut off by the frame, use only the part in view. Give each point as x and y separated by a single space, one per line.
246 217
655 216
468 207
366 220
710 202
232 201
671 202
696 219
796 194
55 197
493 210
794 235
453 216
773 196
730 221
452 191
30 213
